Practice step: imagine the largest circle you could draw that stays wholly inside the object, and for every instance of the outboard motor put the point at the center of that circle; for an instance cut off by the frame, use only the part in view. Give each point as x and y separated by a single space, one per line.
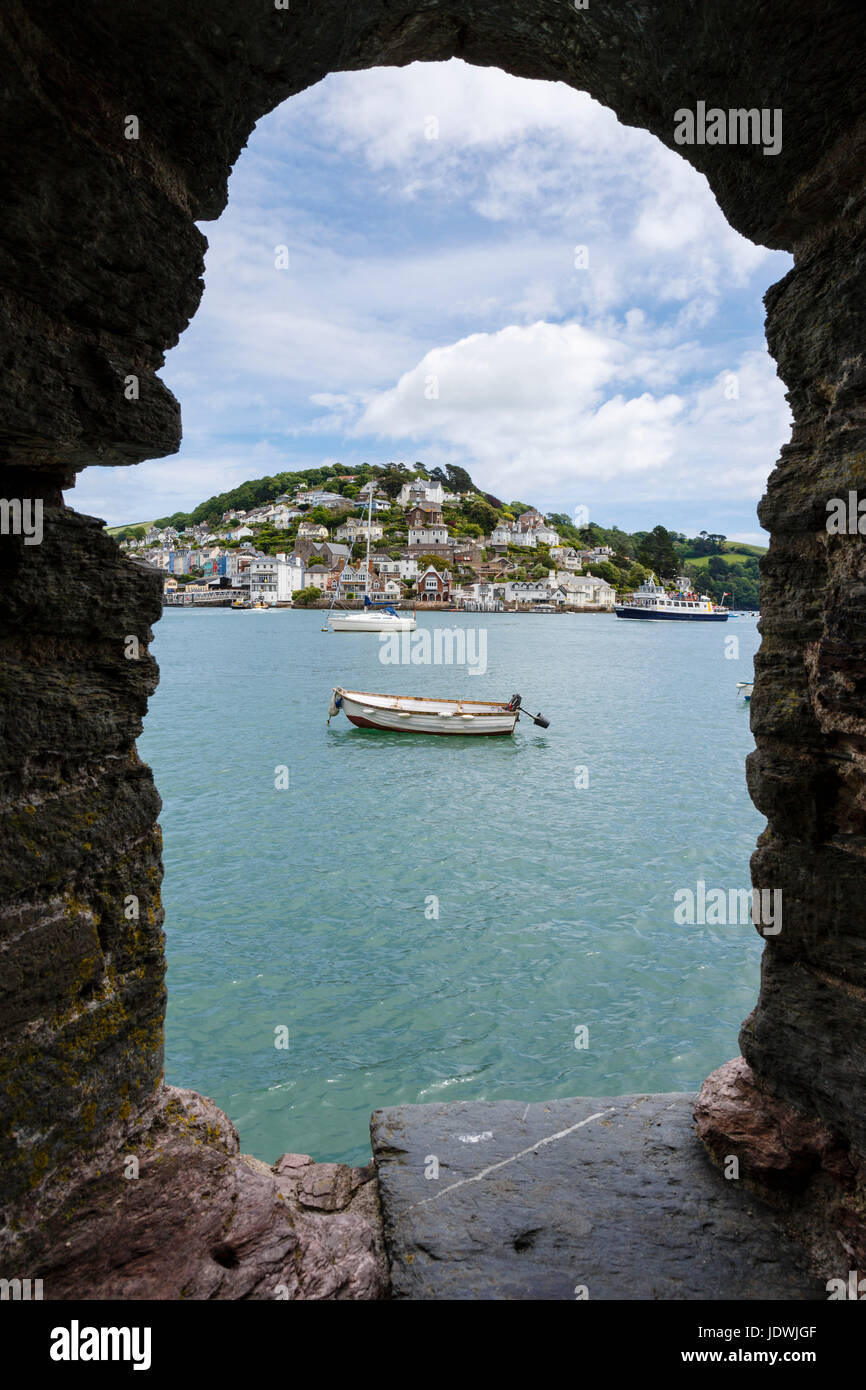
516 703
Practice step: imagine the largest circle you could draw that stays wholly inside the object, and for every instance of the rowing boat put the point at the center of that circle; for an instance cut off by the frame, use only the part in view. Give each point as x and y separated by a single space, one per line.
407 714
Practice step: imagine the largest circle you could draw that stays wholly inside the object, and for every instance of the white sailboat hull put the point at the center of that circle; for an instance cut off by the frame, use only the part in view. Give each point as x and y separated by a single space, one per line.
414 715
371 622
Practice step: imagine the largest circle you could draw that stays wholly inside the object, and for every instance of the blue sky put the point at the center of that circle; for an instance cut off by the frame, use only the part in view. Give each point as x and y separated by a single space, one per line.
486 271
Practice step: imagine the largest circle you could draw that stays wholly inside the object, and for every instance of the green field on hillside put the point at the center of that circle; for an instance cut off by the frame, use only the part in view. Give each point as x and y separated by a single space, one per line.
734 555
128 526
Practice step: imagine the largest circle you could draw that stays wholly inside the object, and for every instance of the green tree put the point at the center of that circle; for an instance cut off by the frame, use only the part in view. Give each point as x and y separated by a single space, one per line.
602 569
657 553
636 576
437 561
302 598
391 482
476 510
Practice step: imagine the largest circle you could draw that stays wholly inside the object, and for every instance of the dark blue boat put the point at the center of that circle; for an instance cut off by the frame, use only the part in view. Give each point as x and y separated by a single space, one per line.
652 601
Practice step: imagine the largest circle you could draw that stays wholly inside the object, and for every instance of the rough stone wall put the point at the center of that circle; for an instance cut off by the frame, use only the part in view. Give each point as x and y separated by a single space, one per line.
100 265
808 775
81 963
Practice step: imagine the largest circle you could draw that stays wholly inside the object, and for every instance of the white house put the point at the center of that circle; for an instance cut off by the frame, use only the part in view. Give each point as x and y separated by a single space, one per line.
479 597
318 498
310 528
507 534
428 535
533 524
532 591
418 491
240 533
586 590
355 527
273 578
263 579
385 565
296 573
317 576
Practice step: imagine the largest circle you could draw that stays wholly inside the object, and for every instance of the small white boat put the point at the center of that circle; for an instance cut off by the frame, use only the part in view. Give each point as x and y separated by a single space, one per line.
744 688
371 619
406 714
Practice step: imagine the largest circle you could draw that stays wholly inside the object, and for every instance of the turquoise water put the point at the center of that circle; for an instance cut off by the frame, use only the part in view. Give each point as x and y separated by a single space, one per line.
311 908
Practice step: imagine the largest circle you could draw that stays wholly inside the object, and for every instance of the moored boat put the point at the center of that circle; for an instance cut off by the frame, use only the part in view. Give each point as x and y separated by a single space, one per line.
745 688
372 619
652 600
409 714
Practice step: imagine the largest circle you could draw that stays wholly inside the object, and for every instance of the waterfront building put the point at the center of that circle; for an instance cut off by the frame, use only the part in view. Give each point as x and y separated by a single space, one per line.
434 587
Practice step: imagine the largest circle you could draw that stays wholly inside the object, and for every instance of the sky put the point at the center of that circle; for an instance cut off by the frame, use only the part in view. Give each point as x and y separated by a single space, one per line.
447 264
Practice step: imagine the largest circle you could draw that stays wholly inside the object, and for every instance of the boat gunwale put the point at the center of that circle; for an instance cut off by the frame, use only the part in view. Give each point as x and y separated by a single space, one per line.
502 708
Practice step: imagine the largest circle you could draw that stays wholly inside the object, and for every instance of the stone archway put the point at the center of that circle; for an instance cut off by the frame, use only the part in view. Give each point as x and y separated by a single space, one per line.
102 270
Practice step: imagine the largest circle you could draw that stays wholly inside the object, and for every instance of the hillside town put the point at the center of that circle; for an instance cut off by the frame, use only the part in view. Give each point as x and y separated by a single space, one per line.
427 548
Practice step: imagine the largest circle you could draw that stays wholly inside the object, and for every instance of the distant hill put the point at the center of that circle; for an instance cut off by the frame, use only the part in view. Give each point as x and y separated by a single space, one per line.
713 563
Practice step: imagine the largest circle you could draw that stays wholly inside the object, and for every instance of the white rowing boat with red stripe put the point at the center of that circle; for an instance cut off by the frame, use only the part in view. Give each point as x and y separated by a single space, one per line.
407 714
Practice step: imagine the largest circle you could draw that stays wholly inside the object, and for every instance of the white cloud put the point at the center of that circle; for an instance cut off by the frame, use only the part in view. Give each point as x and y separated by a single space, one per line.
560 404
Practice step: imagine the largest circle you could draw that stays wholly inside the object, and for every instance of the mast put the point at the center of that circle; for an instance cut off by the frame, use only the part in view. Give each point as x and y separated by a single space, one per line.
369 529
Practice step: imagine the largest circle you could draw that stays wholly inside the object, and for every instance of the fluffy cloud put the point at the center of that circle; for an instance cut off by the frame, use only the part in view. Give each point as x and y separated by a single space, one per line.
410 254
566 406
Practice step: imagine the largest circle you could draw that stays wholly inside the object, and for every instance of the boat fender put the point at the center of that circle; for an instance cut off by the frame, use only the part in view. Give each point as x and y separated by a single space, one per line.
335 706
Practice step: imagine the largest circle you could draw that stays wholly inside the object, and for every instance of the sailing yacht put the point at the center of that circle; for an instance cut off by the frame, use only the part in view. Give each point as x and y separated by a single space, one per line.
373 617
